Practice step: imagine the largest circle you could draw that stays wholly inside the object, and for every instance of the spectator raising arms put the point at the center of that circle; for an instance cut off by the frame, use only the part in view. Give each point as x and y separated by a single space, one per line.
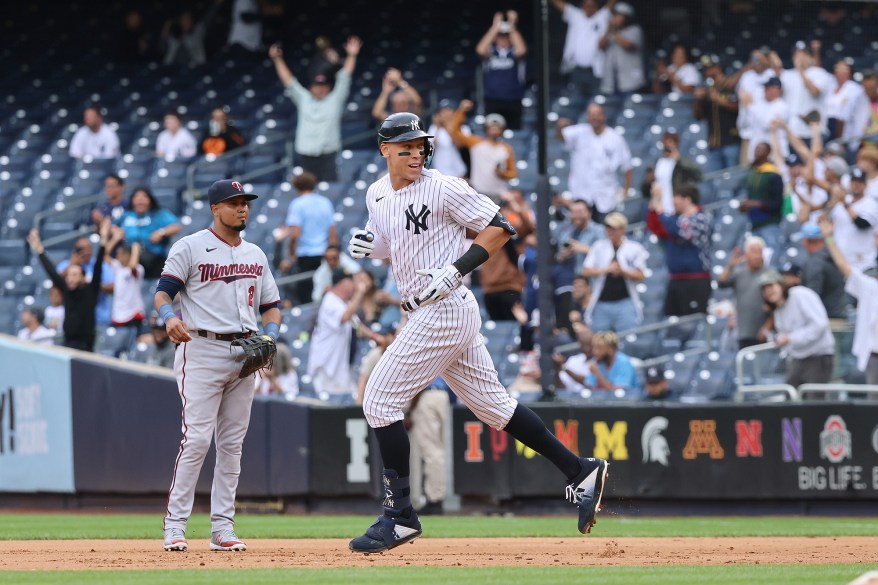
94 138
129 311
680 76
583 61
686 234
318 131
502 50
79 296
221 136
401 96
151 226
622 46
492 160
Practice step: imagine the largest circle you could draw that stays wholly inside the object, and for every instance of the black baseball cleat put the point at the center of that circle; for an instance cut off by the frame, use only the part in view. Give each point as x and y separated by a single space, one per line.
387 533
586 490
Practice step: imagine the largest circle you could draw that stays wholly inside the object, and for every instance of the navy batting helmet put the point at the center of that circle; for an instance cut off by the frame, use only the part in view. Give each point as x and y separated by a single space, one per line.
401 127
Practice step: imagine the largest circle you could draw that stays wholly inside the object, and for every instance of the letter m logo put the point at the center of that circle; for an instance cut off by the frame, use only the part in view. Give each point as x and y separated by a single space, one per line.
418 220
610 441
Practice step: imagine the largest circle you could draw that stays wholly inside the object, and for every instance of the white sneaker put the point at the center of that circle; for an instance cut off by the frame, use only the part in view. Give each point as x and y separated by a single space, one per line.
226 540
175 539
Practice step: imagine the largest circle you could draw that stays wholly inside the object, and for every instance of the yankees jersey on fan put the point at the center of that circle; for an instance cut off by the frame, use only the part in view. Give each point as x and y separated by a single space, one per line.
424 224
224 286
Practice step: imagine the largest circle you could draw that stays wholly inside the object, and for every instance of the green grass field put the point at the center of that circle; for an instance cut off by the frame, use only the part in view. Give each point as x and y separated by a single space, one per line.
136 526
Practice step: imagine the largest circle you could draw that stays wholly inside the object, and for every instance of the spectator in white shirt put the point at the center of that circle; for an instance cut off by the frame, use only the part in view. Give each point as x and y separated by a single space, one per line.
760 114
583 61
615 265
129 311
680 76
447 157
175 141
855 220
806 89
597 154
333 260
867 160
847 107
751 83
94 139
33 328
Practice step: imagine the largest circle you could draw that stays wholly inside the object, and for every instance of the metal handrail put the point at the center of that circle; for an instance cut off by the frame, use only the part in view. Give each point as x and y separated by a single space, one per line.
749 353
666 324
790 393
842 391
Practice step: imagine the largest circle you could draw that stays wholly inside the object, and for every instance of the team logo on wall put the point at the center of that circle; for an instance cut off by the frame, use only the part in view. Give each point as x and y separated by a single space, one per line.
835 440
655 446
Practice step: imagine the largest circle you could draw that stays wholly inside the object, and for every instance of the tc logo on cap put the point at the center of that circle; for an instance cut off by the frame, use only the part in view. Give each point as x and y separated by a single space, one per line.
237 186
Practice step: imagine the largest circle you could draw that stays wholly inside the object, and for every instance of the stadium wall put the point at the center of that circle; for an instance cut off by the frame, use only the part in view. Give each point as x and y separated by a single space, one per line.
74 423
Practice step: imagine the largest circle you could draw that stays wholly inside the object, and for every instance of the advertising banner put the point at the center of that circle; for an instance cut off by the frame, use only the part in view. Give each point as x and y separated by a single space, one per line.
36 453
718 451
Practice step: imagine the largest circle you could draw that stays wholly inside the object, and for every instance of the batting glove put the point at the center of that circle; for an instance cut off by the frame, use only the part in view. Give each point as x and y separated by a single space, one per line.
444 281
361 244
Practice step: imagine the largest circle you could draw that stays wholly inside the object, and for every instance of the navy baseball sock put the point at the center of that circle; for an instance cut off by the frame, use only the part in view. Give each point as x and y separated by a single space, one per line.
528 428
393 442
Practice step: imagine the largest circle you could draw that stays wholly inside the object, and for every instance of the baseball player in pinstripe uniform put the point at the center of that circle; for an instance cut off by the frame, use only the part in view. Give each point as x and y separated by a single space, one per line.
418 218
224 284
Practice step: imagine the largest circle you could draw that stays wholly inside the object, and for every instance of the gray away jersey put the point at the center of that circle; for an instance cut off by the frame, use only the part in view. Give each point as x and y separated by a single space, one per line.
223 285
424 224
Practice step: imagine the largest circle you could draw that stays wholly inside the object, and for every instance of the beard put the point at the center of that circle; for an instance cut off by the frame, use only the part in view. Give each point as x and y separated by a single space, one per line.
239 228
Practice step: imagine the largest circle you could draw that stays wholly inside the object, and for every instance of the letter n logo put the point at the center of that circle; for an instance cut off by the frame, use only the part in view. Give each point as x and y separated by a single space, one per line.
418 220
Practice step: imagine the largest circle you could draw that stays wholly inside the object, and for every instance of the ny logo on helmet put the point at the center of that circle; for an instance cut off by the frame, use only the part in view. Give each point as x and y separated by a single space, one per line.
418 220
415 124
237 186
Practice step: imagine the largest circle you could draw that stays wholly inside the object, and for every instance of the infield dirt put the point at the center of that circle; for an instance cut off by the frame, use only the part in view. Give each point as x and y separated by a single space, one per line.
547 552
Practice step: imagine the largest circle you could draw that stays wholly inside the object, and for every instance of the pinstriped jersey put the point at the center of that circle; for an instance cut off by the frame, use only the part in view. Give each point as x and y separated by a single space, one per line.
224 286
423 225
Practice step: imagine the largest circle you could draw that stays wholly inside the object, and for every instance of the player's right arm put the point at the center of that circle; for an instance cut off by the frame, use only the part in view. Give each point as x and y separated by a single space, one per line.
172 281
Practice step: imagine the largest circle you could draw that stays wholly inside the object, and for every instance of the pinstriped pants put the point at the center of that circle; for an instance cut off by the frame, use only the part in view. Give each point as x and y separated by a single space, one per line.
438 340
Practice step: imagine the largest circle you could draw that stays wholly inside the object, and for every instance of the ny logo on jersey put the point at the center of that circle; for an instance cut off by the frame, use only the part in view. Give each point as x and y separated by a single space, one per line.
419 220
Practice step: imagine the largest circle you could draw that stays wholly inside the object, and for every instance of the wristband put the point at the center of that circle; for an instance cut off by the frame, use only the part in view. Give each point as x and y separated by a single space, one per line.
166 311
829 239
471 259
272 330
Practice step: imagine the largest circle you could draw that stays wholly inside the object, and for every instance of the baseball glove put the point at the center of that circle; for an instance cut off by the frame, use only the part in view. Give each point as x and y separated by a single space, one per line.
259 352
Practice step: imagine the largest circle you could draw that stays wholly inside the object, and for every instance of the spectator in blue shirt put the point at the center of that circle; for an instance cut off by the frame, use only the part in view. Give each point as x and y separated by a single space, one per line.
686 235
147 224
311 228
114 206
502 50
609 368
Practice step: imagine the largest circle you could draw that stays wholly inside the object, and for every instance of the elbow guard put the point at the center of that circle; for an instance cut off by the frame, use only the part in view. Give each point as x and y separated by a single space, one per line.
502 222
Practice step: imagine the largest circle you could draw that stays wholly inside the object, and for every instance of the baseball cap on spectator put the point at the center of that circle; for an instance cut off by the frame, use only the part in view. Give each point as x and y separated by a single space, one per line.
791 269
773 82
226 189
708 61
770 277
811 231
495 119
800 46
340 274
505 29
837 165
794 160
320 78
834 148
446 104
857 174
655 375
616 220
624 8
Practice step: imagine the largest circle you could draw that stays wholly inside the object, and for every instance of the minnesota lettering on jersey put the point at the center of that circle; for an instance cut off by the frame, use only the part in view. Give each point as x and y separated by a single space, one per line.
229 272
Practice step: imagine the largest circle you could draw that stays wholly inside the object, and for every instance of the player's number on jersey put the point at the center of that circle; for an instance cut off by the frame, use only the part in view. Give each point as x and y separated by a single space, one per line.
250 292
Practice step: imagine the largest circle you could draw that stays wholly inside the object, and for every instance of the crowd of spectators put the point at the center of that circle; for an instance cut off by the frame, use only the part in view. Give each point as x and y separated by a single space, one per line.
773 115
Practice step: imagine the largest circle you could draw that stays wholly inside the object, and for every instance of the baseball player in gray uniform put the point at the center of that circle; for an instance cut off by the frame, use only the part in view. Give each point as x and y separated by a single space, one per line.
418 218
224 283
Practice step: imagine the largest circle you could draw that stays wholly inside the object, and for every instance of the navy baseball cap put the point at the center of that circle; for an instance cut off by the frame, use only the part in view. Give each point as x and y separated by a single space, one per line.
340 274
794 159
226 189
773 82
